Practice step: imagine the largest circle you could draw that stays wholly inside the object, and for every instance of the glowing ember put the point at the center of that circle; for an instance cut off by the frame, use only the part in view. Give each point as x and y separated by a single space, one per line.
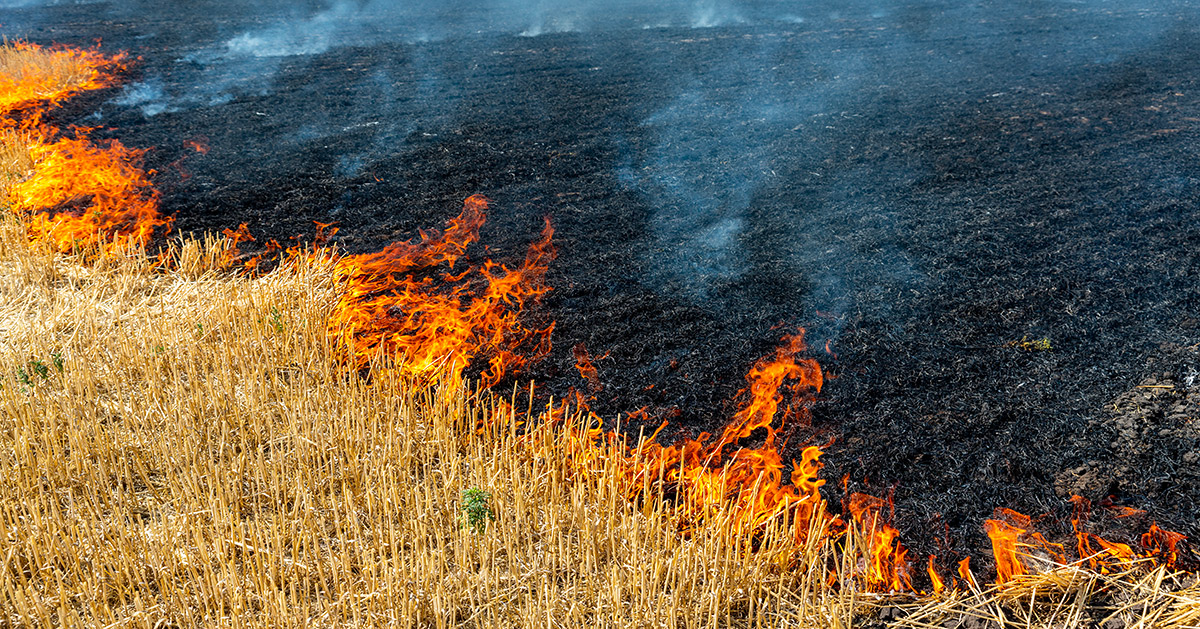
587 370
198 145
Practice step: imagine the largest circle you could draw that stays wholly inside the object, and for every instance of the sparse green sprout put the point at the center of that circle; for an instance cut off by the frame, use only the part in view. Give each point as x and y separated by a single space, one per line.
476 510
1033 345
276 320
37 369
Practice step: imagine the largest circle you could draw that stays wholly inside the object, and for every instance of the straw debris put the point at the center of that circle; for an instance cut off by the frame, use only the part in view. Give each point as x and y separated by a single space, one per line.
200 458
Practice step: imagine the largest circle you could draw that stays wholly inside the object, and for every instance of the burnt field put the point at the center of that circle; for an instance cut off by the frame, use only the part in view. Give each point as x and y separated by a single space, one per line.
933 188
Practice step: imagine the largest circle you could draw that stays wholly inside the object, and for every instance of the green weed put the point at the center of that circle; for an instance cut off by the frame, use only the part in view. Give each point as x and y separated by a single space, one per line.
476 510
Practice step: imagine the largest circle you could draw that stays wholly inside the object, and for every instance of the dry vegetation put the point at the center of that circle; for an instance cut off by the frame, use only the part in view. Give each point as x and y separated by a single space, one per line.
181 446
15 161
40 72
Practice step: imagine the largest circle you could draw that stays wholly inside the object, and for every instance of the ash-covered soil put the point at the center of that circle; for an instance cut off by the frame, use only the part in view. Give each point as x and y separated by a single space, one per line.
930 186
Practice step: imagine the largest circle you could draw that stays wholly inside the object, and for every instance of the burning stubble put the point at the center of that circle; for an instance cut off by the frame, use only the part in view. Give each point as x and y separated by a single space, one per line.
28 73
207 423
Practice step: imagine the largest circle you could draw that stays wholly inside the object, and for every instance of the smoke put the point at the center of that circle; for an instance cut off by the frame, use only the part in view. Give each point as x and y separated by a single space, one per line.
721 136
747 159
21 4
715 147
310 36
149 96
224 61
740 134
700 176
710 14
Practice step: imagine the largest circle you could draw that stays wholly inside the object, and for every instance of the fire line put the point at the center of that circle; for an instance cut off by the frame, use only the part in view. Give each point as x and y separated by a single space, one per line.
423 308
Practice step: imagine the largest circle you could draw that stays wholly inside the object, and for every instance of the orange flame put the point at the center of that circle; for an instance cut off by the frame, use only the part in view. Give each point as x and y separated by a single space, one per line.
1086 543
35 79
1161 545
887 569
1012 539
587 370
79 192
745 484
236 237
934 577
964 572
403 302
1004 548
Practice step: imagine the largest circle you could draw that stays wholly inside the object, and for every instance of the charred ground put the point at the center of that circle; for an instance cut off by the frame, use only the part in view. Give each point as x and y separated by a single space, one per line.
925 188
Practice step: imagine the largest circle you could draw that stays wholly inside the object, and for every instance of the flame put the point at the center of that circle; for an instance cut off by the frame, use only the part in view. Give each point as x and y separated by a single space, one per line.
1004 548
887 568
76 193
746 484
934 577
404 302
964 573
1012 539
587 370
751 479
1097 551
1162 545
235 237
81 193
31 75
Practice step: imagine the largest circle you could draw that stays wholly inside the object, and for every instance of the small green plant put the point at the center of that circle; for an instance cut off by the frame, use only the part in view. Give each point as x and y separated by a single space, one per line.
476 510
37 369
276 320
